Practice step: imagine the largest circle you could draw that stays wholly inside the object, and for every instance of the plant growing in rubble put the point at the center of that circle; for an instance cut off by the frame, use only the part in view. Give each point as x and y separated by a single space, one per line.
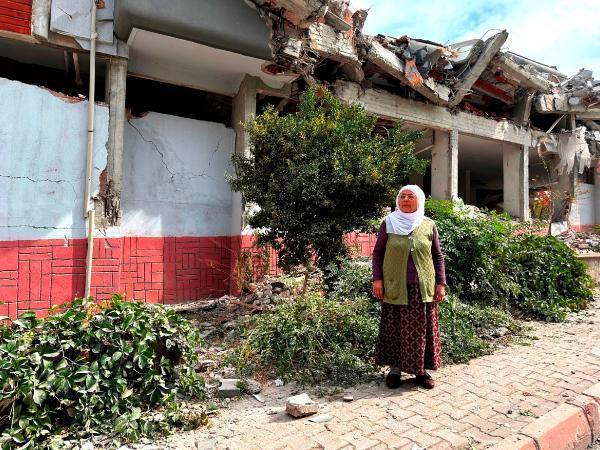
320 173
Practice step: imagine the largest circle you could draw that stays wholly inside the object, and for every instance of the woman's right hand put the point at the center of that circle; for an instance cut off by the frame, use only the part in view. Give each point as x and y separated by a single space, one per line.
378 289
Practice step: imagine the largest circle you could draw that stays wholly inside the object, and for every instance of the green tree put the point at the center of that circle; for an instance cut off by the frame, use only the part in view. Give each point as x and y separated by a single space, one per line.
320 173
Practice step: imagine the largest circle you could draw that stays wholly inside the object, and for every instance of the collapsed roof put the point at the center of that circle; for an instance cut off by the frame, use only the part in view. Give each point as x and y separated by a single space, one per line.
323 40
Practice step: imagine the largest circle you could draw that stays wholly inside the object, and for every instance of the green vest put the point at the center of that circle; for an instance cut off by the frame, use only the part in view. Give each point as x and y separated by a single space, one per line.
395 262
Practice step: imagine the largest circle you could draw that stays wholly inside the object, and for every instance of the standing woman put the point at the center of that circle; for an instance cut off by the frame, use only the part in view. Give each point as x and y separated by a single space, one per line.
409 276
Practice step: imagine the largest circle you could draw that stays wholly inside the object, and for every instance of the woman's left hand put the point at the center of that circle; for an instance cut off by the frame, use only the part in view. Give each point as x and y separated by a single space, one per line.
440 293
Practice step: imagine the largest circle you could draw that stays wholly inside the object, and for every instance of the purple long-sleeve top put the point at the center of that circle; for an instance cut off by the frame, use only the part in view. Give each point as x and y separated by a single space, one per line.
412 277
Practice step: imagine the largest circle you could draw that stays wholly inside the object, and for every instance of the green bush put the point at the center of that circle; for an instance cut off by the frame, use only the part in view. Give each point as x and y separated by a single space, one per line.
552 280
466 330
350 279
488 263
94 370
475 248
311 339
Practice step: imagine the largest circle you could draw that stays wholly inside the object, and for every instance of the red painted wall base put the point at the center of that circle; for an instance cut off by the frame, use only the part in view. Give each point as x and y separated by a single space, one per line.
36 275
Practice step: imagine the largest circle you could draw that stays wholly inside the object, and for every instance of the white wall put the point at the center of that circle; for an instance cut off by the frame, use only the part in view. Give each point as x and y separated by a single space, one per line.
43 141
174 177
583 207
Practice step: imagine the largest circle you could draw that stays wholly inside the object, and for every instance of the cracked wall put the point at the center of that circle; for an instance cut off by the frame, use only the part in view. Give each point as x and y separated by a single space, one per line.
42 162
174 177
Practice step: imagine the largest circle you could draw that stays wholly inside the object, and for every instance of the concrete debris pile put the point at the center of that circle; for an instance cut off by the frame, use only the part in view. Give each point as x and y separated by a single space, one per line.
322 40
581 242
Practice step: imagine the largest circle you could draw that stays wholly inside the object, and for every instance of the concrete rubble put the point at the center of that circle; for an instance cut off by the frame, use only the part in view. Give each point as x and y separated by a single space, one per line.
301 405
322 40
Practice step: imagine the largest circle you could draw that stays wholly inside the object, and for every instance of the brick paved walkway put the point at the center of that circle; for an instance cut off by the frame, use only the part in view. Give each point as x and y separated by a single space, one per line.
473 405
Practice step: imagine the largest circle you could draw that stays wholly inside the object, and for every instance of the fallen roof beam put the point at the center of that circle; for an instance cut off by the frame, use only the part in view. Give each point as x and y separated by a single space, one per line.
592 114
525 78
592 125
387 60
490 50
494 91
393 107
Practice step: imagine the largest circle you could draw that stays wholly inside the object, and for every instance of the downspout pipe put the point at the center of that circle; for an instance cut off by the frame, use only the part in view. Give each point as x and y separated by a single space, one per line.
88 206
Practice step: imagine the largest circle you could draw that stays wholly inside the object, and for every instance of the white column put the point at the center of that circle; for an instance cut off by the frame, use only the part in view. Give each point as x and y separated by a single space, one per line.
244 109
444 165
516 180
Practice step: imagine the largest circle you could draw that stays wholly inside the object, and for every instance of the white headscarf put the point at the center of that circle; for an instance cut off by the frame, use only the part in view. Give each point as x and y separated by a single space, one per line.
402 223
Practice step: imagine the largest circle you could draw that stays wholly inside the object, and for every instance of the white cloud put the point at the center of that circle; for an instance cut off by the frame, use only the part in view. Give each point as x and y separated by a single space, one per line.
564 33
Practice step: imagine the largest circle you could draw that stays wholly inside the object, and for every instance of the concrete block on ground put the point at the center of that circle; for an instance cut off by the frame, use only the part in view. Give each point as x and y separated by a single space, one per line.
229 388
301 406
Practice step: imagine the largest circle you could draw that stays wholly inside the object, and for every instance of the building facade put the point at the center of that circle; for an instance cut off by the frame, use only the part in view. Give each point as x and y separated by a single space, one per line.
173 86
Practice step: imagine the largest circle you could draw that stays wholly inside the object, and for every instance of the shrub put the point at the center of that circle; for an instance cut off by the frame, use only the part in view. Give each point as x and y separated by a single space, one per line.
475 247
487 263
319 174
466 329
552 279
94 370
350 279
311 339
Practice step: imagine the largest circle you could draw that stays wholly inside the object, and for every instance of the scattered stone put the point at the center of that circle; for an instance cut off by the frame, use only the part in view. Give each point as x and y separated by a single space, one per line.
500 332
205 364
252 387
261 398
231 325
321 419
348 398
278 382
301 406
229 388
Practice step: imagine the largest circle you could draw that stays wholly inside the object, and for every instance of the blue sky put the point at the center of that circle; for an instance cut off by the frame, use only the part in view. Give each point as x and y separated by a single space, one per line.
562 33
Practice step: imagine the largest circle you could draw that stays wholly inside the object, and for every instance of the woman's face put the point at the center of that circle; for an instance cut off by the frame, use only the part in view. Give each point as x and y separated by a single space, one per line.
408 202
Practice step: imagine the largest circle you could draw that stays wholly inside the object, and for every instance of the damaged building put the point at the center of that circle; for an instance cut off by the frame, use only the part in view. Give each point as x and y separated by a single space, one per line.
137 176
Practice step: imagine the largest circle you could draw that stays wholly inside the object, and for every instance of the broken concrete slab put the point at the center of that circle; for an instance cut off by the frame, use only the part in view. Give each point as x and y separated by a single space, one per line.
491 48
301 405
229 388
525 77
387 60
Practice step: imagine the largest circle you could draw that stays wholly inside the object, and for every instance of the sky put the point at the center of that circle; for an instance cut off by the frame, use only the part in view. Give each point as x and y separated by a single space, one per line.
562 33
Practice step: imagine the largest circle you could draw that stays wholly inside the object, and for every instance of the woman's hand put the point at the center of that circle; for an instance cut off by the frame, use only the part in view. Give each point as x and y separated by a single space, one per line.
378 289
440 293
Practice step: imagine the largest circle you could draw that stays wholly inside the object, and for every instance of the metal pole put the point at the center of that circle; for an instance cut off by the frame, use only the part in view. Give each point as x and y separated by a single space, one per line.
88 203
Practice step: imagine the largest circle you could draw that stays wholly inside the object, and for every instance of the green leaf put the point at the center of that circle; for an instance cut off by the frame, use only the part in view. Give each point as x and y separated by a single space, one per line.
39 396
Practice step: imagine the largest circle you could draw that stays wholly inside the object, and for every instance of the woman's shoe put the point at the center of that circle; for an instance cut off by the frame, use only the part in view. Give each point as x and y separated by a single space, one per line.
393 380
425 381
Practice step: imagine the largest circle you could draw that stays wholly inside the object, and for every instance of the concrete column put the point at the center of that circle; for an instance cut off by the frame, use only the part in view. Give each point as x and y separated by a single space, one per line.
444 165
116 84
40 18
244 109
597 192
516 180
115 89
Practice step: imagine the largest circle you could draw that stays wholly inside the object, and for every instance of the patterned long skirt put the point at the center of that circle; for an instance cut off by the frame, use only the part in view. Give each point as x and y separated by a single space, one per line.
409 335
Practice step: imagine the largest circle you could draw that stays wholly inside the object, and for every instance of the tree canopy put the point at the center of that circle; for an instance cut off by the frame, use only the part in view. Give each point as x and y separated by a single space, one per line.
320 173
